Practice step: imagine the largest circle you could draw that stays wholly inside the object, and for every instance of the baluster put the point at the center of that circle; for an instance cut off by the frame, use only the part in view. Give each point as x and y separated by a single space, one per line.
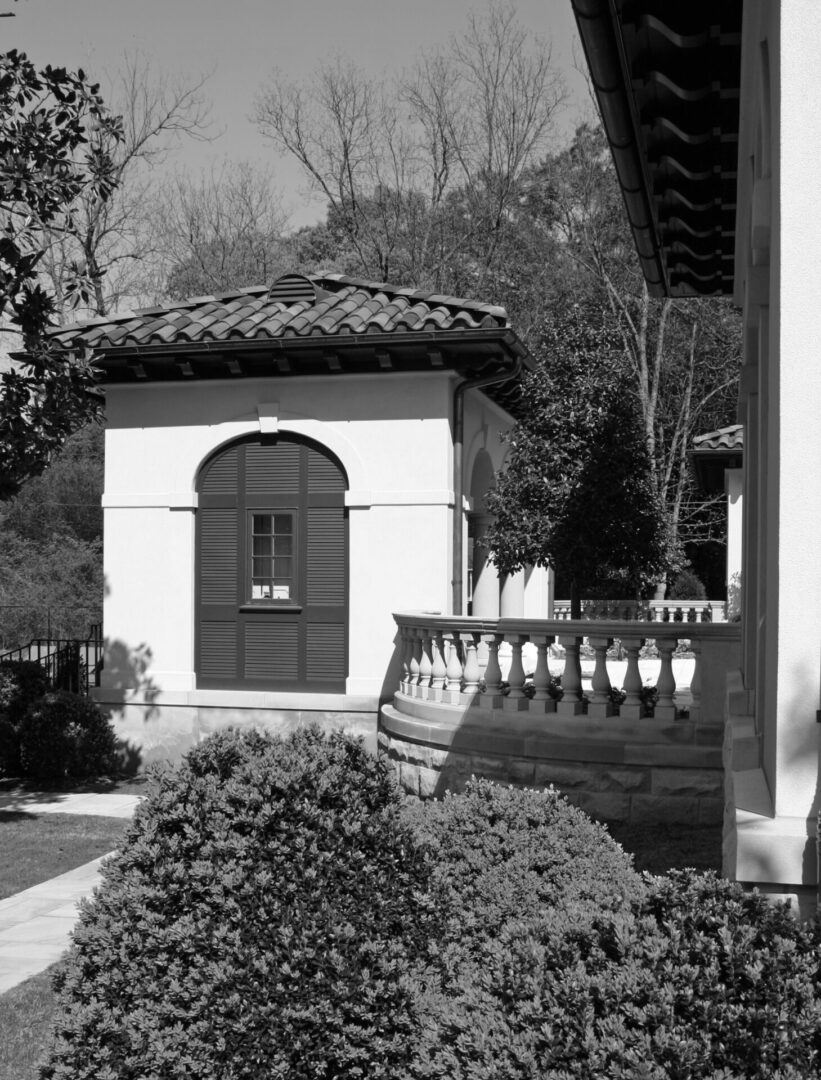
407 655
425 665
541 676
516 698
631 708
695 684
415 663
601 704
493 673
453 672
471 670
571 703
665 706
438 665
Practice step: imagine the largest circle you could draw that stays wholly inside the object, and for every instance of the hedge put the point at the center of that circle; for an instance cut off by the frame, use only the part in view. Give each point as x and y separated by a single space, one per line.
261 920
280 910
64 734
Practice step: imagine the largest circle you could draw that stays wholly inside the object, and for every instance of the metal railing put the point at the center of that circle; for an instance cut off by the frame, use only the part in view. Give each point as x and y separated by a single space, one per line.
71 663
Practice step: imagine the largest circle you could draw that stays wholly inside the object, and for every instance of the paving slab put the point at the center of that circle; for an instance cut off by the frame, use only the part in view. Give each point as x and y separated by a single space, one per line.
99 804
36 924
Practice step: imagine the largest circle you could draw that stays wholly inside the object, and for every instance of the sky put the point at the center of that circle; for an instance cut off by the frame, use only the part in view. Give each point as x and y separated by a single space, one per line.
240 42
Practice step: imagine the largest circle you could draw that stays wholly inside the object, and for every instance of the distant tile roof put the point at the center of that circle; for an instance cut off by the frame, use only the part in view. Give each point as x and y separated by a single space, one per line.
726 438
715 452
339 305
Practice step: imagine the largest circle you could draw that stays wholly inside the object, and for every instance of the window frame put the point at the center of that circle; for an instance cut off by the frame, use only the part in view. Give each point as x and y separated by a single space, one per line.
295 600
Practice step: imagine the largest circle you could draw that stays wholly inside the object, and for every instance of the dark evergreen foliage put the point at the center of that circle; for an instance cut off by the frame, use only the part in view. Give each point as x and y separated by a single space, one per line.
576 491
64 734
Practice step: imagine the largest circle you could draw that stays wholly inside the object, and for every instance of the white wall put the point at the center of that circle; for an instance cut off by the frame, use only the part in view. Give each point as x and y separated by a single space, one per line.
392 434
778 281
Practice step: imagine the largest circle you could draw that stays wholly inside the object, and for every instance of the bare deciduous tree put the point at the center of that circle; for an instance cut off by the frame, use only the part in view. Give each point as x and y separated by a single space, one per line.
426 170
224 230
112 240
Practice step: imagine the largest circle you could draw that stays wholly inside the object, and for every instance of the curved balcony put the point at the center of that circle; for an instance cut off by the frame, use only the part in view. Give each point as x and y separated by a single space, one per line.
541 702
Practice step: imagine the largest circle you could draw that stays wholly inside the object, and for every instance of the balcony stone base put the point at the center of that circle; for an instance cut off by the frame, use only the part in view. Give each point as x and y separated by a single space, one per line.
615 771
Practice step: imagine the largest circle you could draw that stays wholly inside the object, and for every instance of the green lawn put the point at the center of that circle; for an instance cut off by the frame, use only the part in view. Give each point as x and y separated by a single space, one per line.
25 1021
36 847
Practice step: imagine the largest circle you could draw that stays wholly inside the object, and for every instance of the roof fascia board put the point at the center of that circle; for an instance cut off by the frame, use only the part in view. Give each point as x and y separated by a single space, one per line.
603 46
504 337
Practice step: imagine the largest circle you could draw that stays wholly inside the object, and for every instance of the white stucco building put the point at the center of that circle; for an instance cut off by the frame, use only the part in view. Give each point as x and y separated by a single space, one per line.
714 116
285 468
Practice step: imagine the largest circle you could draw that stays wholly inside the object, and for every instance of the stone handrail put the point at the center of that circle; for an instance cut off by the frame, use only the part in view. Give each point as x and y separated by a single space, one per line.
658 611
442 663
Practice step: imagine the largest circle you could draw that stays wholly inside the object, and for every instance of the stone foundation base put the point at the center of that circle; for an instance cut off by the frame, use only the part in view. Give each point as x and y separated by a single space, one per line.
648 783
168 726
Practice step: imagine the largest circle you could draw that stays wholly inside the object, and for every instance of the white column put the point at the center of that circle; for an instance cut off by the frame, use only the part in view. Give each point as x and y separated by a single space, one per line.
485 576
513 596
733 483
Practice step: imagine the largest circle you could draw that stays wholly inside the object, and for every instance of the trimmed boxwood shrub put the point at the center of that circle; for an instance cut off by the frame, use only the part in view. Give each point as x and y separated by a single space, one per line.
278 911
505 853
22 682
697 980
261 921
65 734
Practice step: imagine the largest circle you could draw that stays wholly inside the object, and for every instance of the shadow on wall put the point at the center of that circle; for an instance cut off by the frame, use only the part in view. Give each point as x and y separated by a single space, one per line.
126 679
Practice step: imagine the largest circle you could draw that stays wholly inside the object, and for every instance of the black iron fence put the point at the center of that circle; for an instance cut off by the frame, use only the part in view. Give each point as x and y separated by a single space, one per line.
70 663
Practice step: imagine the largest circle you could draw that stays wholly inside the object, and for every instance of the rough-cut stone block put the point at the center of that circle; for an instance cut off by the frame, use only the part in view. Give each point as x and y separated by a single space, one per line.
409 778
430 757
625 780
658 810
495 768
561 776
430 783
452 778
704 783
521 771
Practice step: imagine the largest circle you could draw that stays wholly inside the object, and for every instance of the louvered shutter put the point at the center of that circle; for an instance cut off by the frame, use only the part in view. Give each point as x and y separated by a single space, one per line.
296 644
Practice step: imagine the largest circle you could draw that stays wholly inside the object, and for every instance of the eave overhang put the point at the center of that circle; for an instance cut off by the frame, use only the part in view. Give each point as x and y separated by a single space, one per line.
666 77
468 353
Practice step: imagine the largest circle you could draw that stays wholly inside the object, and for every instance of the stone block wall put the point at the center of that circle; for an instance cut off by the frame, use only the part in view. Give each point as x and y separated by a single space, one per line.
655 784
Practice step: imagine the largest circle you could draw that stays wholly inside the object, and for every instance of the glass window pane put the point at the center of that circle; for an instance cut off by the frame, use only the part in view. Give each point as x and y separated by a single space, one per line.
262 523
263 545
282 524
261 568
283 569
283 545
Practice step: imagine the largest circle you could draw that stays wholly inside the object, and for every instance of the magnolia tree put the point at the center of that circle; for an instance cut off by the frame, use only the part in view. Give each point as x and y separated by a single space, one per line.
577 492
55 142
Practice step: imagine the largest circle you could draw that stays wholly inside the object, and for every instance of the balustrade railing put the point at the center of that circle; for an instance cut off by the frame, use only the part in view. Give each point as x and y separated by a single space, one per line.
506 664
656 611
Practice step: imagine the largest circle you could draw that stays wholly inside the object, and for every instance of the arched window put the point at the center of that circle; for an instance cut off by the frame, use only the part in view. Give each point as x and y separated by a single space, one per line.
272 567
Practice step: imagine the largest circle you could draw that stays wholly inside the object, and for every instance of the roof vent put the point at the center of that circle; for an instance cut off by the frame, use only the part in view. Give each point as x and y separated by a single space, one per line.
293 288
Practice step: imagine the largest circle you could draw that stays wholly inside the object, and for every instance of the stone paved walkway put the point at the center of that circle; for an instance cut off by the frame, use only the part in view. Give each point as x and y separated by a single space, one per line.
35 924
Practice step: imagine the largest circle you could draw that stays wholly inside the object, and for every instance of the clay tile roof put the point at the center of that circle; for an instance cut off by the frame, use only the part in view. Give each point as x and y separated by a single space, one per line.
726 438
342 305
